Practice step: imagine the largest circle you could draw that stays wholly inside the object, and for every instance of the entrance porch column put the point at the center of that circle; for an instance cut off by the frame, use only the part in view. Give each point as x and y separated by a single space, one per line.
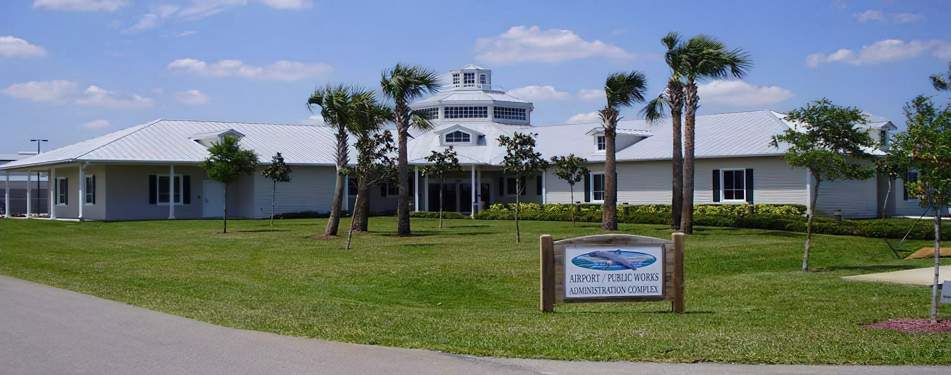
81 198
544 188
171 192
51 191
426 191
346 193
6 195
415 188
472 189
29 194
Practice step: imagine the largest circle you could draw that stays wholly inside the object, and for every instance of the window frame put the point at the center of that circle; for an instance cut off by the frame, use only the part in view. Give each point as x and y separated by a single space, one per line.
89 192
180 191
465 79
464 137
723 189
600 143
455 79
906 195
591 191
61 192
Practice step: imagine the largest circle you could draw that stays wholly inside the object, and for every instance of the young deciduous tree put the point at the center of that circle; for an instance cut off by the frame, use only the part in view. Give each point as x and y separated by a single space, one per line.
926 149
520 160
375 153
440 165
829 144
277 171
225 163
572 170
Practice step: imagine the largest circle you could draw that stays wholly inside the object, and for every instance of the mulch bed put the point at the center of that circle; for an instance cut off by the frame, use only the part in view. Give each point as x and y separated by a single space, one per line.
913 326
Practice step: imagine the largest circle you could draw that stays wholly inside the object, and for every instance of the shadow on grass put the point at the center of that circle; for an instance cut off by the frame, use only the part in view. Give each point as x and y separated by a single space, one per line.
417 233
867 267
262 230
617 312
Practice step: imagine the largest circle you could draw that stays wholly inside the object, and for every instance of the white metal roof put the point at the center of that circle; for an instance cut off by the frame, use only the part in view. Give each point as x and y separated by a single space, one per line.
468 97
164 141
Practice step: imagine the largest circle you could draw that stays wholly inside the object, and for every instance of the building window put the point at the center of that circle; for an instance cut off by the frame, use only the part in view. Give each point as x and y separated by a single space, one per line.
482 79
389 189
429 113
509 113
511 187
466 112
90 190
458 137
883 138
597 187
468 79
62 191
600 143
159 194
455 78
911 177
734 185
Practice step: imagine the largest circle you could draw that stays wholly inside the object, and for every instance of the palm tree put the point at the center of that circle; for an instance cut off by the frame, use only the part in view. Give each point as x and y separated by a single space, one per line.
621 90
335 104
702 57
673 99
403 84
368 118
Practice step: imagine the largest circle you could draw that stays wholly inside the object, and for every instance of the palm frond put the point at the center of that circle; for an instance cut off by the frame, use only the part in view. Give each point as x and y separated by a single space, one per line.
625 89
656 109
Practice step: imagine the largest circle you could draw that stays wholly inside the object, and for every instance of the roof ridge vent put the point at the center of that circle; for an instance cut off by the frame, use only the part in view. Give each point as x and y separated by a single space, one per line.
208 139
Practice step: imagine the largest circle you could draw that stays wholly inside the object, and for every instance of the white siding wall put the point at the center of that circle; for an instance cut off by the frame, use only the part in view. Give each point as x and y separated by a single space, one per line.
903 207
310 189
649 182
128 197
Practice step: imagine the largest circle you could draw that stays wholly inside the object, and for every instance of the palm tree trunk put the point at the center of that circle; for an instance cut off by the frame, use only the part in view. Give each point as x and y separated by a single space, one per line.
442 182
333 222
518 191
224 214
690 121
402 207
937 261
609 207
361 207
273 200
677 166
812 214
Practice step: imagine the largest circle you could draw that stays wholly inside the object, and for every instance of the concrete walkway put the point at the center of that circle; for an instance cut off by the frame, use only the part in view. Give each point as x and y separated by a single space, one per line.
45 330
917 276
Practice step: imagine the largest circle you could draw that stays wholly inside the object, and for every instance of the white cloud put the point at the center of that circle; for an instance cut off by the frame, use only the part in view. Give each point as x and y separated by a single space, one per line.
11 46
282 70
95 96
531 44
585 118
191 97
42 91
186 33
883 51
80 5
315 120
741 94
153 18
538 93
289 4
874 15
198 9
97 124
591 94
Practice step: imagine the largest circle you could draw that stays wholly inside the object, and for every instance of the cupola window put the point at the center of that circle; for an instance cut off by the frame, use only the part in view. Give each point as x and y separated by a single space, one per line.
466 112
458 137
455 78
429 113
482 79
468 79
509 113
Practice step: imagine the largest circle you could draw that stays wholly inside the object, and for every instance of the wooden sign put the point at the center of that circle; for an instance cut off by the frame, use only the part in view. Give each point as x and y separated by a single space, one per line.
612 268
946 292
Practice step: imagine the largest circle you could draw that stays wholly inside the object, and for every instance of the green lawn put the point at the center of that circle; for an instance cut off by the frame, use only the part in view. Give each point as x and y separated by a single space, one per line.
469 289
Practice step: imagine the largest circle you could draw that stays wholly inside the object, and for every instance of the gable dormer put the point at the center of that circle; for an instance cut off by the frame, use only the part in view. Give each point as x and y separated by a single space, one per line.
458 135
210 138
624 138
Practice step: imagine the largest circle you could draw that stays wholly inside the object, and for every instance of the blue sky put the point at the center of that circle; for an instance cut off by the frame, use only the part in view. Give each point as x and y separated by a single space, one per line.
74 69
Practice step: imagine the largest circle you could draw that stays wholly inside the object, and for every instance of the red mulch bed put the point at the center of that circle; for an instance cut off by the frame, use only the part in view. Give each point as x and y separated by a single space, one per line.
913 325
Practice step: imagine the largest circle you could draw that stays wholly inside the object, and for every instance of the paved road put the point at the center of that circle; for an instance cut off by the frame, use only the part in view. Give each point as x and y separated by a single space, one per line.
46 330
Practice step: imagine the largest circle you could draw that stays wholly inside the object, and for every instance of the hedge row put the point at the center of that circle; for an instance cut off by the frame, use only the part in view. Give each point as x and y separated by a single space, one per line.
760 216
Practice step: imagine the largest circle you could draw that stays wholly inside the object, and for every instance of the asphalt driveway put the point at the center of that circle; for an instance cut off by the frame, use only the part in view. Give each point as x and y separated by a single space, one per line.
45 330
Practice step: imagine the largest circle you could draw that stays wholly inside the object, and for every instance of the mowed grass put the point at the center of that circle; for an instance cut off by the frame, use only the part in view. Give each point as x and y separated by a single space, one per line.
470 289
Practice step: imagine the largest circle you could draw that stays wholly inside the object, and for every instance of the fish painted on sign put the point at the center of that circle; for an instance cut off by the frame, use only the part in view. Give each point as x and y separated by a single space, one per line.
613 260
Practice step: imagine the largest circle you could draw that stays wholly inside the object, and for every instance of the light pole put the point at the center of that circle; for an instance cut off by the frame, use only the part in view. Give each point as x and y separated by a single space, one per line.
38 143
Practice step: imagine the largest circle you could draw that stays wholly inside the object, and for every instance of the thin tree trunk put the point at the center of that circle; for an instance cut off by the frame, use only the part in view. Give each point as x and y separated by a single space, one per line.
814 196
937 261
402 207
442 183
690 120
677 166
333 222
224 214
571 192
273 200
352 223
609 207
518 191
361 207
885 202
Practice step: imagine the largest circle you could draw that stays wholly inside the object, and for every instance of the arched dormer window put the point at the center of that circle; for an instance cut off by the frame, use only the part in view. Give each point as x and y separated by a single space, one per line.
458 136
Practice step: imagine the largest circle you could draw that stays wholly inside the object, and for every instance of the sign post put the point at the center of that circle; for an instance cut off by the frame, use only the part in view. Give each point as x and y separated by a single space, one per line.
612 268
